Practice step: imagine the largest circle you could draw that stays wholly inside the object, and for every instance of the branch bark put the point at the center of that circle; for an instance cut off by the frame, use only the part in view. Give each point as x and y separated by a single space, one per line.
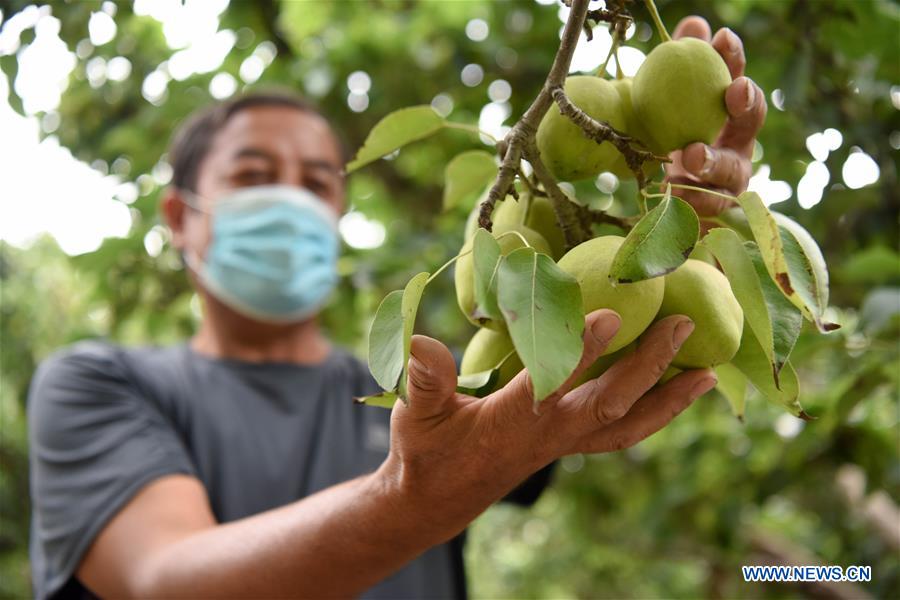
603 132
522 133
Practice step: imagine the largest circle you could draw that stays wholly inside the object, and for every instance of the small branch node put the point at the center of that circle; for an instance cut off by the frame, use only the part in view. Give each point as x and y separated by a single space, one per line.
600 131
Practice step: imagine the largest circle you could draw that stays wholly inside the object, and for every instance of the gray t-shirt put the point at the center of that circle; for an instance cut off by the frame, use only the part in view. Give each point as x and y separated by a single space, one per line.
105 421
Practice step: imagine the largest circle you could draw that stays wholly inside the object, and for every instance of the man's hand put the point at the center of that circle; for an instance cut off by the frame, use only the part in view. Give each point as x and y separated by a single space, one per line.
726 164
453 454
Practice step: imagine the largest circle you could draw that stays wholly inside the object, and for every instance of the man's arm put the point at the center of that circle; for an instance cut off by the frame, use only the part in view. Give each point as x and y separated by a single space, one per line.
451 457
165 543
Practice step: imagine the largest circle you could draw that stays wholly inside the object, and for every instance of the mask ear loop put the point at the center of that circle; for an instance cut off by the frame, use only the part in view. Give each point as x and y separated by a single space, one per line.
192 201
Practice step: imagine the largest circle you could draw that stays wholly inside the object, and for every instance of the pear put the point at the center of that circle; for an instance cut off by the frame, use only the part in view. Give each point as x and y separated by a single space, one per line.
637 303
700 291
565 149
678 94
535 212
485 351
464 275
635 129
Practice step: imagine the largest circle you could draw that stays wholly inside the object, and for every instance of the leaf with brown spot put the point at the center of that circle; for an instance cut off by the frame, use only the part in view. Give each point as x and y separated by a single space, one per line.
791 256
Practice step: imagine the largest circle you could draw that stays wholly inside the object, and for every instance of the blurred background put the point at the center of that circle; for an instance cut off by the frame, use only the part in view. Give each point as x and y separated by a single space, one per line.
90 92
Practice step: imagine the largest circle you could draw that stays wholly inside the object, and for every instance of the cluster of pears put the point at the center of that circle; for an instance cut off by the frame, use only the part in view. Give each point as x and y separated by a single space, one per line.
696 289
676 97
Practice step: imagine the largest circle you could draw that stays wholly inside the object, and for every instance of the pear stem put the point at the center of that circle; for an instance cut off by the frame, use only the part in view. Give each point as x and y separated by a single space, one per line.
660 27
682 186
445 265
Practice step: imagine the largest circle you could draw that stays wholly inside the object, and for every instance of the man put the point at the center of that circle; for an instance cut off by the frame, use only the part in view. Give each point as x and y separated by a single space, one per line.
237 466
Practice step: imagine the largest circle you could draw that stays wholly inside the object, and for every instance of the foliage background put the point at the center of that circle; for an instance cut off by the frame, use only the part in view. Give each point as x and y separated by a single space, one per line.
674 517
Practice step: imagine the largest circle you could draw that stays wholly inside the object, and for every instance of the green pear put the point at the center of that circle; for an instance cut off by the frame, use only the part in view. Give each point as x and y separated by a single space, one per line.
637 303
678 94
464 275
566 151
701 252
700 291
535 212
668 374
635 129
485 351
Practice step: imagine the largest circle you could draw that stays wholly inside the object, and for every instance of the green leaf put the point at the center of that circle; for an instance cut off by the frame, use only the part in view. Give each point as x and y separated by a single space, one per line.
483 382
753 363
386 342
486 261
880 308
734 218
300 21
395 131
543 310
382 400
412 295
794 235
733 385
467 174
876 265
773 319
391 333
785 318
785 260
476 384
658 244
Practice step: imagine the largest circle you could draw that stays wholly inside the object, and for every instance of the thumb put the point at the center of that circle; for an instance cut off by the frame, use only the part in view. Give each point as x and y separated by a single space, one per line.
432 376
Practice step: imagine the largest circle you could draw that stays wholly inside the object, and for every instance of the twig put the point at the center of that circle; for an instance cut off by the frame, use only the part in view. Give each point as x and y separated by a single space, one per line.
603 132
567 214
601 216
531 187
523 132
502 186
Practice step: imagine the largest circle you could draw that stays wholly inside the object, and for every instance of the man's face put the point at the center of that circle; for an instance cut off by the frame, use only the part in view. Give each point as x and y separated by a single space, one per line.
261 146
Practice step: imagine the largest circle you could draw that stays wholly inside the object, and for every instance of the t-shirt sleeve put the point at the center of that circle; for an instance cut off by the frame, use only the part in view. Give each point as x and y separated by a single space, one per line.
528 492
94 442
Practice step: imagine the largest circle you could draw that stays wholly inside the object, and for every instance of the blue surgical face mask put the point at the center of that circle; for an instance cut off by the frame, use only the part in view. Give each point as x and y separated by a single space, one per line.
273 253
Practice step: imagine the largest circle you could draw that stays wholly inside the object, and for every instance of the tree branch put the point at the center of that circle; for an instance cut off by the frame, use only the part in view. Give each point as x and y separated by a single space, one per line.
523 132
574 228
604 132
593 215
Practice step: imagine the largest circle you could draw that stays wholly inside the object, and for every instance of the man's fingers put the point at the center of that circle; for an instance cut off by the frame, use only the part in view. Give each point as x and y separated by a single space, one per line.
731 48
432 377
608 398
706 205
746 104
717 167
600 327
651 413
695 27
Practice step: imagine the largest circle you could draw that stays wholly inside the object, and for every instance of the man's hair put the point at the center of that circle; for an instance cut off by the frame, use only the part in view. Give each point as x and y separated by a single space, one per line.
193 138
